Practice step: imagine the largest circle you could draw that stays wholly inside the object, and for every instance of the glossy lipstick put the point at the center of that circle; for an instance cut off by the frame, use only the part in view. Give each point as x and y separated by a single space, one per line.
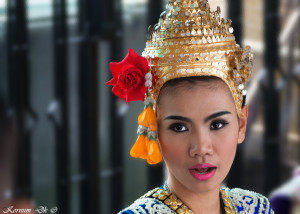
203 172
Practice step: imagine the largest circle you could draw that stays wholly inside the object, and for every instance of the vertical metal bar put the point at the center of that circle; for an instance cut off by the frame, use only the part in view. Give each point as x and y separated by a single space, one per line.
88 113
236 175
298 85
113 17
155 8
298 46
288 89
18 68
116 150
155 173
61 96
235 9
271 96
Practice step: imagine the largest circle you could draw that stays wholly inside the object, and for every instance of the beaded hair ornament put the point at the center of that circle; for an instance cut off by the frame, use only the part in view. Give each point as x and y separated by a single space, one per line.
189 40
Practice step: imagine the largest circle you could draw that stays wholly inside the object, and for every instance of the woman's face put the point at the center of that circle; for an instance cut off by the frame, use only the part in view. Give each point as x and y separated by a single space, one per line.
198 132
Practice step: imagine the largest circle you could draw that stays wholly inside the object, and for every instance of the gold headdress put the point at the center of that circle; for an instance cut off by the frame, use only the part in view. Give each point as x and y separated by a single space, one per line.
189 40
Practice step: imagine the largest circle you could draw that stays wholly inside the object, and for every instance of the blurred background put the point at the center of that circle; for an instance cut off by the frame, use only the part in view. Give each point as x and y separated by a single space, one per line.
65 138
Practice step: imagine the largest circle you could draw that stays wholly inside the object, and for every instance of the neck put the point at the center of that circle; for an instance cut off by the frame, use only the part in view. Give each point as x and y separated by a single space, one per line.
198 202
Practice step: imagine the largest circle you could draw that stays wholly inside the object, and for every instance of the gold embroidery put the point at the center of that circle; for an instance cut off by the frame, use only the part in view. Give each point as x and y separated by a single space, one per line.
148 194
173 202
161 194
227 203
177 205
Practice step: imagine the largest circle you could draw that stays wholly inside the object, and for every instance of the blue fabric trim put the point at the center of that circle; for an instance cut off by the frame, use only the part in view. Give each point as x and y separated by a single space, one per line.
261 200
127 212
130 212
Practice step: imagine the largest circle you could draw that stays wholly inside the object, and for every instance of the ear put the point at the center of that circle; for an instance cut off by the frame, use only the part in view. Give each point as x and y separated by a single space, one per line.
243 124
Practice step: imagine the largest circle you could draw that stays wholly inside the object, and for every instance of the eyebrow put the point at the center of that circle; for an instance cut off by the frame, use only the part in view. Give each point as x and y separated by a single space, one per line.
218 114
210 117
175 117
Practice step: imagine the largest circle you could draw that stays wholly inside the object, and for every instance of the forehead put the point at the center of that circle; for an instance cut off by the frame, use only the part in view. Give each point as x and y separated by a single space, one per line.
176 86
206 96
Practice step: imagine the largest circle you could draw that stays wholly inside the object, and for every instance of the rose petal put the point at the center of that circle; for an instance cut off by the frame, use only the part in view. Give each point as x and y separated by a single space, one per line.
115 68
133 78
118 92
135 95
128 67
137 60
113 81
136 71
122 83
144 65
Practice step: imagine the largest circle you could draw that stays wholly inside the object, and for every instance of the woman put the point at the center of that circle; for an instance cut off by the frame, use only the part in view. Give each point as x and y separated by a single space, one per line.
191 78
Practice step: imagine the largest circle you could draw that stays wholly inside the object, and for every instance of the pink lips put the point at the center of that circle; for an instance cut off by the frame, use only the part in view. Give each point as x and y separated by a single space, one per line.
203 172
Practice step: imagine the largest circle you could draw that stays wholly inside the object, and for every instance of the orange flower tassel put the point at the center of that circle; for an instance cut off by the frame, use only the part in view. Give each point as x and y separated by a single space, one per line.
154 154
148 118
146 146
139 149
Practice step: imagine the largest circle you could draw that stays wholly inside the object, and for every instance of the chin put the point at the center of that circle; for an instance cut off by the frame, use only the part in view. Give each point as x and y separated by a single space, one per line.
211 184
203 187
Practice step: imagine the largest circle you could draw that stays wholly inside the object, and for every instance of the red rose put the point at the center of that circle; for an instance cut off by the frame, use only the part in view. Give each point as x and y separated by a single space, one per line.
129 77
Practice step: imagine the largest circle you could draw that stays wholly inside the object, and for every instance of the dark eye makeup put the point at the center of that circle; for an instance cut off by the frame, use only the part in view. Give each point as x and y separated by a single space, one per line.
214 126
178 127
218 124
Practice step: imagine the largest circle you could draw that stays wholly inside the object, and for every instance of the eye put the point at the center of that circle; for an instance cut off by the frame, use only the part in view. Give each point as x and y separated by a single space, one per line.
178 127
215 125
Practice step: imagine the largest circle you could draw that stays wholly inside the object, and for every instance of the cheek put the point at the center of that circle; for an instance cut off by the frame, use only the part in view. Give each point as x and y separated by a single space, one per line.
226 146
173 147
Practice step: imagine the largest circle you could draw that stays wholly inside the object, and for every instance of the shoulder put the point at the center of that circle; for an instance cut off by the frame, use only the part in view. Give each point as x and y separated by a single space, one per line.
147 205
246 201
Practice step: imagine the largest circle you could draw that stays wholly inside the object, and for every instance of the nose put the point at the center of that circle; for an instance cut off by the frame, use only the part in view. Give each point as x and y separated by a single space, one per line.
201 145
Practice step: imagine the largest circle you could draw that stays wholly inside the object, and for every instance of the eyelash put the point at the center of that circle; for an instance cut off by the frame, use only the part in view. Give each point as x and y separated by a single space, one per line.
175 125
224 124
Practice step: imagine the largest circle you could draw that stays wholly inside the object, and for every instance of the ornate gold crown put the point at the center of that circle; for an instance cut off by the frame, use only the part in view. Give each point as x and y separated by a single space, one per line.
190 40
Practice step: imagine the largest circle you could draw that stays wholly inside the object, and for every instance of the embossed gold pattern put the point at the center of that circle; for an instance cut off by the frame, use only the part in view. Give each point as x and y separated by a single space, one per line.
227 203
174 203
191 40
